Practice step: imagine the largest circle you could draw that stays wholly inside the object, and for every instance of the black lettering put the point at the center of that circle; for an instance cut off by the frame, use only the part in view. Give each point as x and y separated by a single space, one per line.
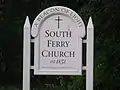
49 42
72 54
47 33
45 13
66 54
57 43
58 34
64 10
62 44
68 34
61 54
44 53
63 61
52 34
57 9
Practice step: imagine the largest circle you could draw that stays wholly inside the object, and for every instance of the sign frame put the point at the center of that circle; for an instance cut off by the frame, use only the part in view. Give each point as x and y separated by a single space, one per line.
27 41
42 17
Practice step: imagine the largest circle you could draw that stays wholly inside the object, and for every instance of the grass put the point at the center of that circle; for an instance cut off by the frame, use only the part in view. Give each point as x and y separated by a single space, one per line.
8 88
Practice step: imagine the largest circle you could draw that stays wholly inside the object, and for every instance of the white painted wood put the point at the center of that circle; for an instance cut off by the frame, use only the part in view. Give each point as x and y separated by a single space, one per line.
58 41
32 40
51 11
31 67
84 68
84 41
90 51
26 55
37 71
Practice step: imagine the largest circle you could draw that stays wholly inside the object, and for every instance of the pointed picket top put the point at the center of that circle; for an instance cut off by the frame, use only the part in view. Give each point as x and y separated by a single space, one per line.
27 23
90 23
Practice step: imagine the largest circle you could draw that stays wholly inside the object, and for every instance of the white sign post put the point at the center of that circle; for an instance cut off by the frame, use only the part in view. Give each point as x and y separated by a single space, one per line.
26 55
58 33
90 54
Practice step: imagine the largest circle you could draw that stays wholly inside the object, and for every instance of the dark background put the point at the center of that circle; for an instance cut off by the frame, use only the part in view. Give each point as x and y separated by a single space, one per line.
106 19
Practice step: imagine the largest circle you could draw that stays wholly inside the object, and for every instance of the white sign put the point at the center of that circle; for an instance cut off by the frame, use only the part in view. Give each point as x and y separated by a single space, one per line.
58 33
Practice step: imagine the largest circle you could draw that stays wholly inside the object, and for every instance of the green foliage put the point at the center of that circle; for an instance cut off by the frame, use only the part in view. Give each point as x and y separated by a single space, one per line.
8 88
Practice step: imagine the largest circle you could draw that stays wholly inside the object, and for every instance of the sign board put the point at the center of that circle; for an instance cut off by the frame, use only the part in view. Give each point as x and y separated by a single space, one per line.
58 33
